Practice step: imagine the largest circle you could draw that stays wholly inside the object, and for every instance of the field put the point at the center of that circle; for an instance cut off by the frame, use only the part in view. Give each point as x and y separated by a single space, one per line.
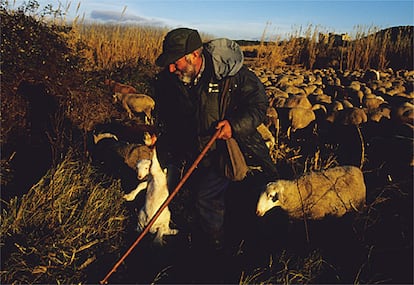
63 217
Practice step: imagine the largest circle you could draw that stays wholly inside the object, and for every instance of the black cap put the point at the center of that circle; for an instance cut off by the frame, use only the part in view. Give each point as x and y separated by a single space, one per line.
177 43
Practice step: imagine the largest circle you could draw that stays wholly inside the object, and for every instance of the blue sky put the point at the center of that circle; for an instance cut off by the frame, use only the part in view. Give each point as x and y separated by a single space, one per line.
243 19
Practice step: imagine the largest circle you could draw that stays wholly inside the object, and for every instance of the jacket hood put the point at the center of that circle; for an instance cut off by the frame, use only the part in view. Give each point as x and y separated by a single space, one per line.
226 55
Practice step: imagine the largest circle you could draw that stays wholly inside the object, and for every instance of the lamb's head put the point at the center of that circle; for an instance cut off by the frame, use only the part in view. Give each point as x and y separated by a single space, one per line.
143 168
270 198
117 97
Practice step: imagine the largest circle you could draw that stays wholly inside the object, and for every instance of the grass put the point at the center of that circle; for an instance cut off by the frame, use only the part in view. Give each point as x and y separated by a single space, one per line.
61 226
367 47
111 46
287 269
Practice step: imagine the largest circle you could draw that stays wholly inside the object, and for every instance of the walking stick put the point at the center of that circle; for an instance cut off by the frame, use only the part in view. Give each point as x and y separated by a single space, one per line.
164 205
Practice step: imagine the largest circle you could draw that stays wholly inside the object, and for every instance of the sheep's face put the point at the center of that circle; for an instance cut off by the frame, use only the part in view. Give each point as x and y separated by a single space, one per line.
269 198
117 97
143 168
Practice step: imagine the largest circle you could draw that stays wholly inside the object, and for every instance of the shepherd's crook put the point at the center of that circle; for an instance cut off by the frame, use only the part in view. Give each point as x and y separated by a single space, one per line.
164 205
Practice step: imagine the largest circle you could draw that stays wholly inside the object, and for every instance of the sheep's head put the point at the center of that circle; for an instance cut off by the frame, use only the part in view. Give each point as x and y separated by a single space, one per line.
143 168
117 96
269 198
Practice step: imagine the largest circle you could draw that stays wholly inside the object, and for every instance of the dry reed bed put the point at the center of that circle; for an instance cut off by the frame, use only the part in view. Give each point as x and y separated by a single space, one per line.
115 45
368 47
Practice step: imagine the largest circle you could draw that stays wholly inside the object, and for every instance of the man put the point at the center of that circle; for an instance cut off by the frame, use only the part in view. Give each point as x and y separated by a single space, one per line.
187 95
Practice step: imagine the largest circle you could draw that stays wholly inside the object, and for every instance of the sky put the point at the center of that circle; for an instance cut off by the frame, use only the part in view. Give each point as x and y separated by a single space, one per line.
243 19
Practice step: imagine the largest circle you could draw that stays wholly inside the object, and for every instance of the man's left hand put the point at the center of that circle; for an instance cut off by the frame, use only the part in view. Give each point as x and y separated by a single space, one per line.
225 132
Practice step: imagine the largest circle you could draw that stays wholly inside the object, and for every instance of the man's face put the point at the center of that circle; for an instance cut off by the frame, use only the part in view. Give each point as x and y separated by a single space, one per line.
184 68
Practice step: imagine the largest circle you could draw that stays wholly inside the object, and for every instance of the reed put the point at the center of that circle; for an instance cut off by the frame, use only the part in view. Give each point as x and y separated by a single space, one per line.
114 45
313 47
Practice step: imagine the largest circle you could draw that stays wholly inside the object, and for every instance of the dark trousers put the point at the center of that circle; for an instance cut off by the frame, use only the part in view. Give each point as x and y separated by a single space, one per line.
210 201
208 189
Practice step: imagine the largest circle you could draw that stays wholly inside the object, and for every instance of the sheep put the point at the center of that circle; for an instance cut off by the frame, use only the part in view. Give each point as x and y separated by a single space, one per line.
119 87
267 136
404 113
157 193
348 116
130 153
314 195
271 117
299 118
298 101
272 122
371 75
137 103
372 102
377 114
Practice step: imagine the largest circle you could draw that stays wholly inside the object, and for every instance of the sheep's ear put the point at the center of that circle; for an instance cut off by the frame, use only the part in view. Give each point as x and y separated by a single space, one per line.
147 139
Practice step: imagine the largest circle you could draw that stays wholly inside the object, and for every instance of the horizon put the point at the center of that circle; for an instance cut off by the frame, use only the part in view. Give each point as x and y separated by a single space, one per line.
242 19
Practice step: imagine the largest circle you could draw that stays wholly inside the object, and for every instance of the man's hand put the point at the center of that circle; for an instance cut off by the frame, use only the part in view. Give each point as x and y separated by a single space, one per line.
225 132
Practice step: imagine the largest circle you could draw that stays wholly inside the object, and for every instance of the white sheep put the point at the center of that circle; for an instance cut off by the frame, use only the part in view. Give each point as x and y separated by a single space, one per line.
137 103
157 193
315 195
299 118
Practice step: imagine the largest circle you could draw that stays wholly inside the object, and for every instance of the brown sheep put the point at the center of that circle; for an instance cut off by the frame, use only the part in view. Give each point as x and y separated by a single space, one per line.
119 87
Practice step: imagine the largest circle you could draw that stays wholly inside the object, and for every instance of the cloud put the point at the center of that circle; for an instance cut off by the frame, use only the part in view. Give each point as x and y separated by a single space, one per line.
111 16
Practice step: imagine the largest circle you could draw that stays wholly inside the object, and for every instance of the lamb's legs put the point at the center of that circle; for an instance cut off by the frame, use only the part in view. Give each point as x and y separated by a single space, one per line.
131 195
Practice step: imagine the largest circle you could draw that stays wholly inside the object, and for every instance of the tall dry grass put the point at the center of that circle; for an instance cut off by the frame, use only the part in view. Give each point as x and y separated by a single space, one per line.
366 47
61 226
113 45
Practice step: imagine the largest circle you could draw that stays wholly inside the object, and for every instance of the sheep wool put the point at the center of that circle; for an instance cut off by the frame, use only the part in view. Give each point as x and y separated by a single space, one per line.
314 195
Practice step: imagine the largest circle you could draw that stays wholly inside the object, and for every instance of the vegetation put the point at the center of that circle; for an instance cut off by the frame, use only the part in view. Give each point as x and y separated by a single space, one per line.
68 220
70 217
312 47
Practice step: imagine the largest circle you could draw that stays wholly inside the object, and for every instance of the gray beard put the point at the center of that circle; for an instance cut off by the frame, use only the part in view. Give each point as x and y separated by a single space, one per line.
186 79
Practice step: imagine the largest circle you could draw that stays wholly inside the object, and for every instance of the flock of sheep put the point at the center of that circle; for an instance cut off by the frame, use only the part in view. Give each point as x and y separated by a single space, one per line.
298 100
343 98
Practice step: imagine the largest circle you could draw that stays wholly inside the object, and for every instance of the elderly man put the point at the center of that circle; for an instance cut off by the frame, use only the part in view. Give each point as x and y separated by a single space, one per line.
188 93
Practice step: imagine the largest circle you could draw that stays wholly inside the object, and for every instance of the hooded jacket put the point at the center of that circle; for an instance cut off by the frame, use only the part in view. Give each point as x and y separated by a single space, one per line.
188 114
